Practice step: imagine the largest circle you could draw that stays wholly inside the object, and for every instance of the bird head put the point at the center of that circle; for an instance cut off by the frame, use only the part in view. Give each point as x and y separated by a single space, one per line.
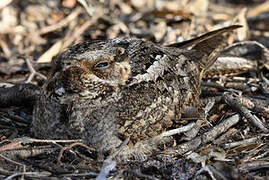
93 69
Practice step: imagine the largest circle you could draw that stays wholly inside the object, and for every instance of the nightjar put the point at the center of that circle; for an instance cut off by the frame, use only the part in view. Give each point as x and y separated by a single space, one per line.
105 91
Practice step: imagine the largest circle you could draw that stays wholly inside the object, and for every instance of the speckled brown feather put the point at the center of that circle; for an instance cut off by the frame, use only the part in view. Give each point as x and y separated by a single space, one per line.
107 91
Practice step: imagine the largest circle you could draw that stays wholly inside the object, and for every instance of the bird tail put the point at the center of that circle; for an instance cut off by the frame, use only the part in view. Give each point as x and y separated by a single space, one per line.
210 45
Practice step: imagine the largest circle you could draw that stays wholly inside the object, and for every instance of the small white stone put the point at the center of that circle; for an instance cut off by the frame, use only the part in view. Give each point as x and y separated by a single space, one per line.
60 91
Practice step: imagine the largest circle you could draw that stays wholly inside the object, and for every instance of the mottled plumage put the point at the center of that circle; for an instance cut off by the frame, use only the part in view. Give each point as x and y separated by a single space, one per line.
107 91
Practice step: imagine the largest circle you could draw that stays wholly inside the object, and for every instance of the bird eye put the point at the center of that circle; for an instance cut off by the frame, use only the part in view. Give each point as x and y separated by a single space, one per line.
102 64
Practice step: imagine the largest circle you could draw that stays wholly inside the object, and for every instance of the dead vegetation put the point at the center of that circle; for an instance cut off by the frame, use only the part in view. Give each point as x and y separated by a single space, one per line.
230 141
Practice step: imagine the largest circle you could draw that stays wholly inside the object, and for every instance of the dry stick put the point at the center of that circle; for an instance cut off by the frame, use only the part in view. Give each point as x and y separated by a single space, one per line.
30 140
205 138
4 3
18 30
27 174
62 23
231 101
109 164
192 133
75 152
50 53
90 10
265 49
30 152
214 173
244 87
225 136
69 40
12 145
69 147
5 172
254 165
259 9
81 175
24 170
10 160
172 132
256 105
33 72
243 142
208 170
176 131
260 156
5 48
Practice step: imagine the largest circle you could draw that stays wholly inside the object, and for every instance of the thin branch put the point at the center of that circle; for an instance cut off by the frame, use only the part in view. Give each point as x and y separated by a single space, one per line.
231 100
62 23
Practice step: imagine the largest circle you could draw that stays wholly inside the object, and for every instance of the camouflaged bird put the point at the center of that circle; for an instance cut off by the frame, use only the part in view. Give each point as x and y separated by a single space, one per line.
108 90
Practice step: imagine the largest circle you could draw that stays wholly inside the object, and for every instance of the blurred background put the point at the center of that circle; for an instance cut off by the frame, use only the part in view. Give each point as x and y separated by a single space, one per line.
32 27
